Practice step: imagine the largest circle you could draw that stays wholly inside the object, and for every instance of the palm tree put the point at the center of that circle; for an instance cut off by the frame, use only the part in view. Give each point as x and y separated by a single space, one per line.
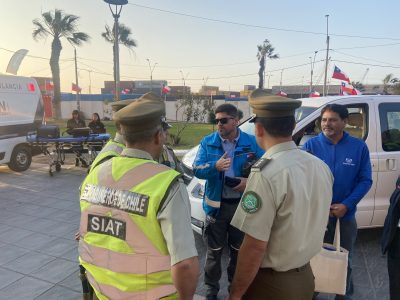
264 51
58 25
358 85
125 39
388 82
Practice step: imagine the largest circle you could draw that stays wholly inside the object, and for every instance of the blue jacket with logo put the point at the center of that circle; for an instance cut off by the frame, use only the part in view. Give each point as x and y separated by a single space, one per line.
350 165
210 151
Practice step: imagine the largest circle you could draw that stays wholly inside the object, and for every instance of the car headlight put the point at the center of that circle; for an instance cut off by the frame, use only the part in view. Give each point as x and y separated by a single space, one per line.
198 191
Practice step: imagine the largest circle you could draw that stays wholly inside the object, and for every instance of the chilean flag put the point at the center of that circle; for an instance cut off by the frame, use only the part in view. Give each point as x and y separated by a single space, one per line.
348 89
314 94
76 88
338 74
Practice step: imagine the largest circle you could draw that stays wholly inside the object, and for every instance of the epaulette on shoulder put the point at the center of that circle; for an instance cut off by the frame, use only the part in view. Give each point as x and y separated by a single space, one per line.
260 164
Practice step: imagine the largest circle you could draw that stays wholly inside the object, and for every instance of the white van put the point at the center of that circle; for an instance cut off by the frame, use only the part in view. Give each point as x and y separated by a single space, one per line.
21 112
375 119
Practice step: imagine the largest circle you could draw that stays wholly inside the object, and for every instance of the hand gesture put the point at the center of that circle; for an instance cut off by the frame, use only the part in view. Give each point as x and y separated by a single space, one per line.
223 163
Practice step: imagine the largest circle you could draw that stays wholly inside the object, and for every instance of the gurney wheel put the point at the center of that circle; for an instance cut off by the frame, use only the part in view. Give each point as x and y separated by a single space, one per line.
58 167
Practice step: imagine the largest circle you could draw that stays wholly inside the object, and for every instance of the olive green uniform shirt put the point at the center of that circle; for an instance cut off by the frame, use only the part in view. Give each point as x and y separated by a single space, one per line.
286 203
174 217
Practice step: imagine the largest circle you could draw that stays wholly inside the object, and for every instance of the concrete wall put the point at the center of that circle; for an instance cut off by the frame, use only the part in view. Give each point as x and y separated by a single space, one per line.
104 109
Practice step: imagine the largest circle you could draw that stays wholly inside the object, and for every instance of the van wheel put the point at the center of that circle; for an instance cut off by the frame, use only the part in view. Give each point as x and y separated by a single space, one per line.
21 158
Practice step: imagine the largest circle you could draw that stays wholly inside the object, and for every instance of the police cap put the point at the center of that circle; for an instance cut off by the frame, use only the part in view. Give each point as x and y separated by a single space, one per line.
116 106
265 105
146 112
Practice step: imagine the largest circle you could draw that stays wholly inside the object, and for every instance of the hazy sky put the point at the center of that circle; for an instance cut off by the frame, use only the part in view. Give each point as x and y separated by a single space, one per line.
364 34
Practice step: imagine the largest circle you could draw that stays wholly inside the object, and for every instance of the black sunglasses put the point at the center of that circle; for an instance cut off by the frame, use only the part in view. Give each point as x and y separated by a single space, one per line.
223 121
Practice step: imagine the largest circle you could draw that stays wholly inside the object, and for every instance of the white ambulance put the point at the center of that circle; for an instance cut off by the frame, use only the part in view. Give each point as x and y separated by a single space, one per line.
21 112
375 119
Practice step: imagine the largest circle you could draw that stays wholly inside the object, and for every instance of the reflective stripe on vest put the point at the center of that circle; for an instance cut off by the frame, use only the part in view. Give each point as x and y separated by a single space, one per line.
111 149
137 267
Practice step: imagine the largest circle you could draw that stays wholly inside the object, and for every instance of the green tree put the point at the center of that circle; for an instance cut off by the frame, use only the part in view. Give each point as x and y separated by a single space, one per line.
389 82
264 51
358 85
125 38
192 111
58 25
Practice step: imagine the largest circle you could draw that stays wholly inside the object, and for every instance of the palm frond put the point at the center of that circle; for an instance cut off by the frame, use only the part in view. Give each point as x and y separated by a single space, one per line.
78 38
40 31
108 35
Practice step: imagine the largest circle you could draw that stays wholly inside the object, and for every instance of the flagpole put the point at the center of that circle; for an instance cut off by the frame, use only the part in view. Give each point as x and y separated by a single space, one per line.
327 54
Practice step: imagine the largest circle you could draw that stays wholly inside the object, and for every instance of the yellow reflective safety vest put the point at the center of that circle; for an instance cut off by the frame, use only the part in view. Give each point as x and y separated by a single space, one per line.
111 149
122 246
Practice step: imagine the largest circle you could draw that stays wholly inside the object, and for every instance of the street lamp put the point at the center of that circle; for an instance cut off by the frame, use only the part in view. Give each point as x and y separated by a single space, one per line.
184 77
151 73
118 7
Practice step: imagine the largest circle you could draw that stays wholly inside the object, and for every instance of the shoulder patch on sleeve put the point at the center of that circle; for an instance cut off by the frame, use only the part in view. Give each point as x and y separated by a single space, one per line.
251 202
260 164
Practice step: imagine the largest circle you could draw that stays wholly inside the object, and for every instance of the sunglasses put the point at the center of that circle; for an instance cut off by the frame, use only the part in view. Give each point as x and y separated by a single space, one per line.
223 121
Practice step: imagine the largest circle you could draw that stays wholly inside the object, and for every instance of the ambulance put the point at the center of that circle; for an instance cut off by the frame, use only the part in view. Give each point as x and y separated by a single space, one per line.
21 112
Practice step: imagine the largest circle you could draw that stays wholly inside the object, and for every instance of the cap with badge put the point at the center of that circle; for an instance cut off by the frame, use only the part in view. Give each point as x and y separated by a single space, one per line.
116 106
146 112
265 105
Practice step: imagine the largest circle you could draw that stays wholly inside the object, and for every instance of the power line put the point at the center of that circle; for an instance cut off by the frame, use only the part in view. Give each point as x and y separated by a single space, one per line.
370 59
260 26
369 46
364 64
33 56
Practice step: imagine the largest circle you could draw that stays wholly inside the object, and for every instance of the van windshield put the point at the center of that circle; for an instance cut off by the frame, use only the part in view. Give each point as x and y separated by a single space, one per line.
299 115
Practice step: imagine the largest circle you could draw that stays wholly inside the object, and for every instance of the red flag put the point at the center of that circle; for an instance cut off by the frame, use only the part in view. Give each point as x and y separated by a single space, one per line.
165 89
49 86
338 74
76 88
314 94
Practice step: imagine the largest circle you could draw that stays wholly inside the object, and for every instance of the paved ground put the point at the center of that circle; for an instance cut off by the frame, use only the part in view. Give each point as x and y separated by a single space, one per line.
39 215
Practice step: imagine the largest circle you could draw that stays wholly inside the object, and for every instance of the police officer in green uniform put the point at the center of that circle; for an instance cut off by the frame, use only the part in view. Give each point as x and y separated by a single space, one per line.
283 211
135 216
114 146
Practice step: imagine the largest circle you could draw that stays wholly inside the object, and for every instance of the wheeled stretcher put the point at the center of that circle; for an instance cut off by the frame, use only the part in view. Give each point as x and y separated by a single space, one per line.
84 147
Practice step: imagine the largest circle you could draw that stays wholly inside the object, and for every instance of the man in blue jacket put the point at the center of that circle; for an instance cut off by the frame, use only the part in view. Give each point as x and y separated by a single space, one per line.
348 159
224 159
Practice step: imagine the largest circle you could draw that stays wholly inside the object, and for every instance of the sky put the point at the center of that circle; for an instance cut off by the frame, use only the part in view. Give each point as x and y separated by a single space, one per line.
213 42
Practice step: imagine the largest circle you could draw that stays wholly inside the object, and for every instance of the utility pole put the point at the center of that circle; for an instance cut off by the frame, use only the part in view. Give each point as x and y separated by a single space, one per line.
184 83
90 78
327 53
269 77
151 73
312 70
280 84
205 79
78 101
